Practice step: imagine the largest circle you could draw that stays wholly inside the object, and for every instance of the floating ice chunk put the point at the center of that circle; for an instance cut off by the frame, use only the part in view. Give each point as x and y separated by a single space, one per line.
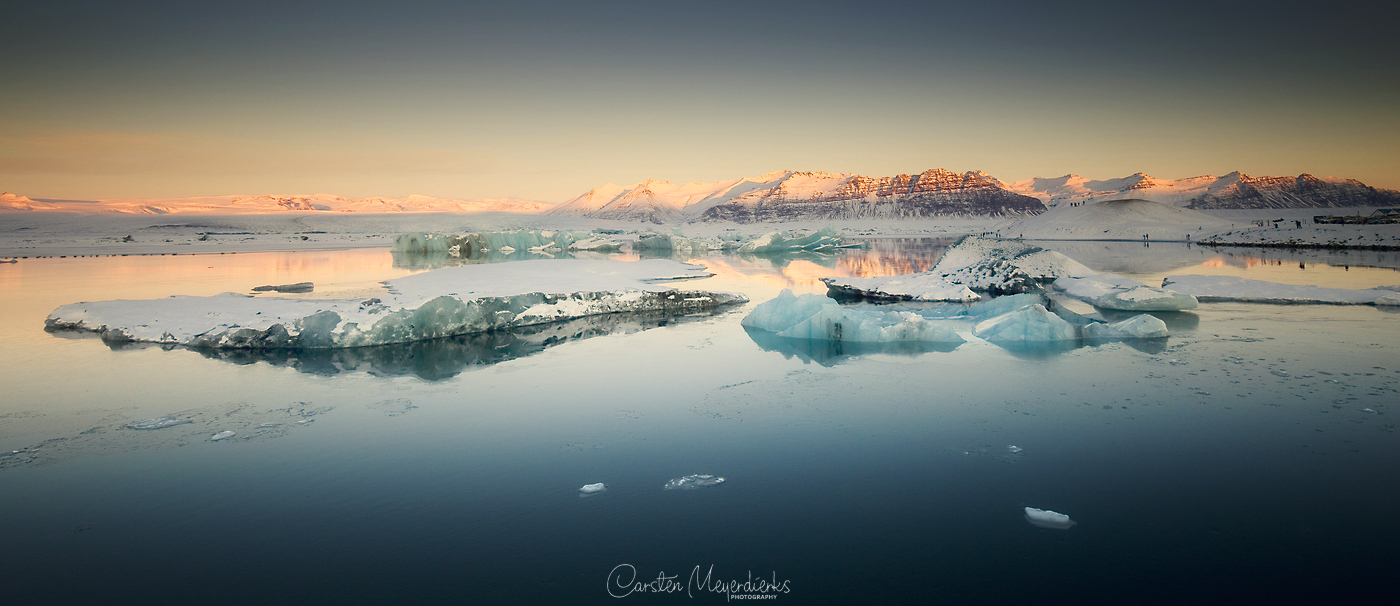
918 287
158 423
287 288
1146 298
1029 324
1230 288
1390 299
816 317
597 244
1141 326
1003 266
1045 518
447 302
221 436
775 242
1000 305
1112 291
1013 449
589 489
306 421
691 482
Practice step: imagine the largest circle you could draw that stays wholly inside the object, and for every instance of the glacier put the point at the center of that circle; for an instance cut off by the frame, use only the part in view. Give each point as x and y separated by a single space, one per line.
817 317
447 302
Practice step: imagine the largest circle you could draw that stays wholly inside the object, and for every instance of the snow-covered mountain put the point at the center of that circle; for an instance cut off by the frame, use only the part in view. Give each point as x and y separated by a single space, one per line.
228 205
1234 190
790 195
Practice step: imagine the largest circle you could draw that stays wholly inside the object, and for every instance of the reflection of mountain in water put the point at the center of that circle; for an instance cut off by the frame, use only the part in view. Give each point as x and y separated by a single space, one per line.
893 256
440 359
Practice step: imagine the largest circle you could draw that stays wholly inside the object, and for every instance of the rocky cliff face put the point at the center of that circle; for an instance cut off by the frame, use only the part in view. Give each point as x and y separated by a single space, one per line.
1303 191
790 196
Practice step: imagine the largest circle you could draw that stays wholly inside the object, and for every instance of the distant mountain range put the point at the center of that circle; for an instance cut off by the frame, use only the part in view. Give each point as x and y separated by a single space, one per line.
812 196
789 195
236 205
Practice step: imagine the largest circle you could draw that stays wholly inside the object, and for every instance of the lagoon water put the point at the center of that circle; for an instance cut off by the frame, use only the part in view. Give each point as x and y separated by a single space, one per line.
1250 457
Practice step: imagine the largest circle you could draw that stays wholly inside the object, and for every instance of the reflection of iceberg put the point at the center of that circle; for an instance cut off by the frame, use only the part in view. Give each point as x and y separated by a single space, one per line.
691 482
439 359
447 302
830 353
816 317
1045 518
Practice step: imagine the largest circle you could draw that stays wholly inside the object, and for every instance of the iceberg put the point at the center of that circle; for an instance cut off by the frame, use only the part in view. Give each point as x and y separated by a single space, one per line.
1142 326
1003 266
817 317
1045 518
776 242
691 482
917 287
476 244
1030 324
1230 288
590 489
460 300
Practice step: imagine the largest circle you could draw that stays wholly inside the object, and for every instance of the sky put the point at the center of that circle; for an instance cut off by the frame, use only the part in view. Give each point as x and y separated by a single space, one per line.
544 100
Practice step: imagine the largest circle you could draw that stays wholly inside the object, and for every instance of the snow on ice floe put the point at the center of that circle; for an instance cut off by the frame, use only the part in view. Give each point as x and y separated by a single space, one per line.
974 263
1112 291
1045 518
691 482
1141 326
592 489
1229 288
817 317
446 302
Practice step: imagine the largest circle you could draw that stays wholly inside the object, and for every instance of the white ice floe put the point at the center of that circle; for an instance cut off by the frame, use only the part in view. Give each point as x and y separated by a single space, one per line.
1029 324
1045 518
158 423
693 481
1142 326
221 436
816 317
1112 291
446 302
589 489
1230 288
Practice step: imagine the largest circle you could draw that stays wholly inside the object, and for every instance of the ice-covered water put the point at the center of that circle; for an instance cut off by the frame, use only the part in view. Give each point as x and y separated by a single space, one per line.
1249 452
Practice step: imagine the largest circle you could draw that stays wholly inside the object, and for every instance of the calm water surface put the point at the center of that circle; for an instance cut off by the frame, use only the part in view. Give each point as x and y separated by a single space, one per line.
1251 457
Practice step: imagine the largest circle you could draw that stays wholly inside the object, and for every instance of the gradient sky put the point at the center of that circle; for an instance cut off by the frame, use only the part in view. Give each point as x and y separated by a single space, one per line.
544 100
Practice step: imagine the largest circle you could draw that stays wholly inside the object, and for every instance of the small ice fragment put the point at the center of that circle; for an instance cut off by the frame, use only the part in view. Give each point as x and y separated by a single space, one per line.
306 421
158 423
1013 449
589 489
1368 410
221 435
691 482
1045 518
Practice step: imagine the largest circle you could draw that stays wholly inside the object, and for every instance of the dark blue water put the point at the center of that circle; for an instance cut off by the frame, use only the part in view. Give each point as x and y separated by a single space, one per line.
1251 459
